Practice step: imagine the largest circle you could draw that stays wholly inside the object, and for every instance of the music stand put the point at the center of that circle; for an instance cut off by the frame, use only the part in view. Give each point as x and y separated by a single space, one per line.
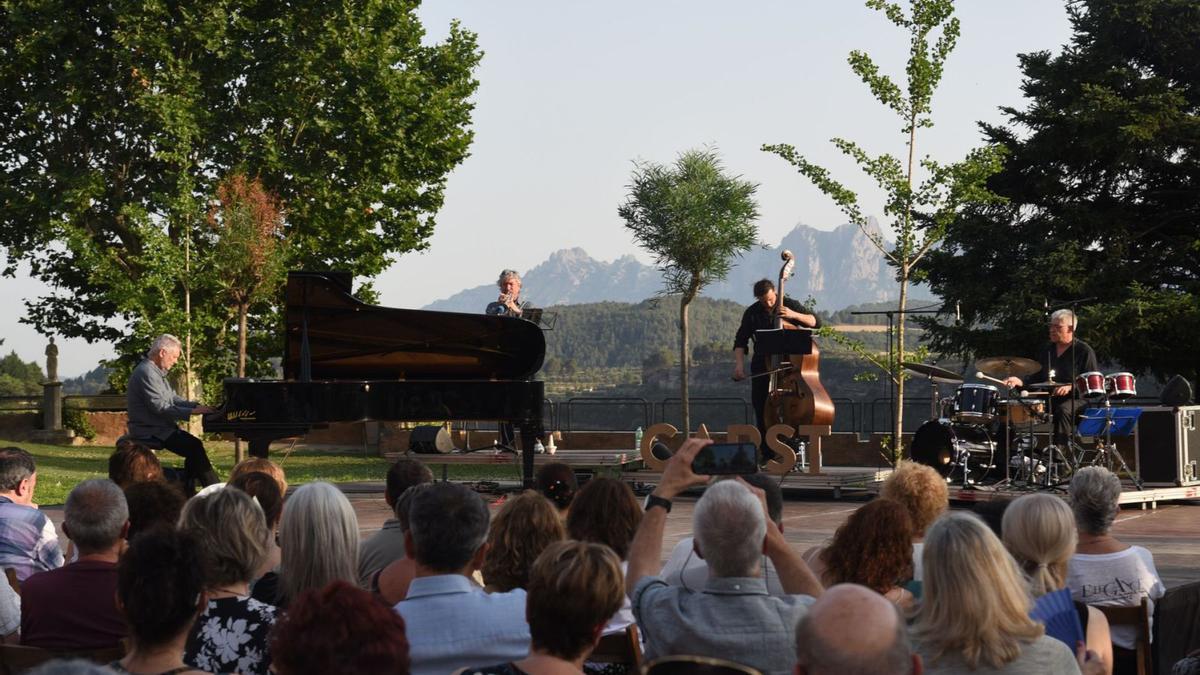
1108 422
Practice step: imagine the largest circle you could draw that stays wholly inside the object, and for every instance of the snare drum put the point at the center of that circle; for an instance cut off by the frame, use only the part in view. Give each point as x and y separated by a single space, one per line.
975 403
1120 385
1090 384
1022 411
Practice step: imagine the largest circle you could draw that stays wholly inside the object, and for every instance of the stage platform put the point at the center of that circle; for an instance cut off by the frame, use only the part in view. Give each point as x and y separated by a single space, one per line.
609 462
1148 497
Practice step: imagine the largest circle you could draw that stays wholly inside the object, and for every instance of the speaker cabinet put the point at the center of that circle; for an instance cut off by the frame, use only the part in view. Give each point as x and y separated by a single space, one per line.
1168 446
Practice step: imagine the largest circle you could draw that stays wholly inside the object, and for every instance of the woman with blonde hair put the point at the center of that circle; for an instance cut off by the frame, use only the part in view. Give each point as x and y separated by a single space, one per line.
521 530
231 633
1039 532
974 614
318 541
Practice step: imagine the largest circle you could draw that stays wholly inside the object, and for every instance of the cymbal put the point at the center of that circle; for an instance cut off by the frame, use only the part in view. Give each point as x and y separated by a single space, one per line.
1004 366
1047 385
933 372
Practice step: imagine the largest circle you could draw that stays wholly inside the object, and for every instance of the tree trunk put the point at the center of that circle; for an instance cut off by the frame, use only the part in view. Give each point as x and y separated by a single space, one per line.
684 405
242 310
898 423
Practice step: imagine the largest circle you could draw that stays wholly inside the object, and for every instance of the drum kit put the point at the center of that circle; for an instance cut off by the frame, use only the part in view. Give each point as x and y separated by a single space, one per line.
989 432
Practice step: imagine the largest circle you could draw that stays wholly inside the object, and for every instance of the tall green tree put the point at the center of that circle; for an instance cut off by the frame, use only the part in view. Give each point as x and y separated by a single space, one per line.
1102 188
119 118
923 196
693 218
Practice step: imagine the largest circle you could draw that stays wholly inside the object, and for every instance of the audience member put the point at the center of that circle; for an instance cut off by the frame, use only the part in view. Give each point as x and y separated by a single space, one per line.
574 587
265 490
28 541
73 607
451 622
153 504
387 545
1105 570
1039 532
851 630
339 629
733 617
523 527
392 581
263 465
556 481
606 512
160 590
70 667
685 568
10 614
872 548
231 633
974 614
924 493
132 463
319 541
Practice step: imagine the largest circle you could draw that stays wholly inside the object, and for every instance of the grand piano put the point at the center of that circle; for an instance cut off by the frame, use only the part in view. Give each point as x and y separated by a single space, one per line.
348 361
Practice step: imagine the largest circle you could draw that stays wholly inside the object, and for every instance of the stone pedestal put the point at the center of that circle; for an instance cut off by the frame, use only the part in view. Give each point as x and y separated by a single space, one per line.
52 411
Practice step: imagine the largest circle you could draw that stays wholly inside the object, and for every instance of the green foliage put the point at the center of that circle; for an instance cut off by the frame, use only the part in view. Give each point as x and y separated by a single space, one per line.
693 219
1101 198
77 420
923 197
119 118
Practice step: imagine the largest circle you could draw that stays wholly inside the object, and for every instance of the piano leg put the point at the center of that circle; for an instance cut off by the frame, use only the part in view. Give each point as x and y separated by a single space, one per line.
259 447
529 434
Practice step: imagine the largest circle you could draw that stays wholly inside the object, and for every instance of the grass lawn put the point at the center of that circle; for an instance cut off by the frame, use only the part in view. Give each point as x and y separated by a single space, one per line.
60 468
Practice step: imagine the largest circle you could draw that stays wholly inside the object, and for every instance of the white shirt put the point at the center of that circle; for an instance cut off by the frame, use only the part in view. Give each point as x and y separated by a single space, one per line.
1116 579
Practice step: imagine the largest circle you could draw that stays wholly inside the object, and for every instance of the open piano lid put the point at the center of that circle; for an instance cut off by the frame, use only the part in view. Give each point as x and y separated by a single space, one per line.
350 339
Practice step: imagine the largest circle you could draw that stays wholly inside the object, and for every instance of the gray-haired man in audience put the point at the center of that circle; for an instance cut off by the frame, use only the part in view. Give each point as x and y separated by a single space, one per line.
74 607
733 617
852 630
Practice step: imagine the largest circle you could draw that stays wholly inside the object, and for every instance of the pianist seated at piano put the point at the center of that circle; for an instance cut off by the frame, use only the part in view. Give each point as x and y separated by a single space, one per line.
155 409
509 302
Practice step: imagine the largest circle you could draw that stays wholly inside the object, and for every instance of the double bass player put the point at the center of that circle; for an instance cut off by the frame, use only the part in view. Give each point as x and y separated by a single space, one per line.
761 316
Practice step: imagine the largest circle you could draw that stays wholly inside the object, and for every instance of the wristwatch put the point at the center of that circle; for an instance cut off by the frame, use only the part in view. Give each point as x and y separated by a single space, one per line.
655 500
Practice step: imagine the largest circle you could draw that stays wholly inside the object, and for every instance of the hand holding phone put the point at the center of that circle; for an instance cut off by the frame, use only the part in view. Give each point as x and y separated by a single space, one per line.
721 459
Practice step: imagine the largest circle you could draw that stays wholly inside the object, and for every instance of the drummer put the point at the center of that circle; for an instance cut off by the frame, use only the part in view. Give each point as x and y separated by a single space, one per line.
1063 359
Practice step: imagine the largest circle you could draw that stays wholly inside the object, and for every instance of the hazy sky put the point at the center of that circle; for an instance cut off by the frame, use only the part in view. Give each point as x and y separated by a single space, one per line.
572 93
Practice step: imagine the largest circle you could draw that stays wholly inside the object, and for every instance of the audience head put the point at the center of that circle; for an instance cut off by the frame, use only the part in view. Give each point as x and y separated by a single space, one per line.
975 602
404 505
1039 532
263 465
152 504
402 475
1095 494
18 474
605 512
132 463
729 527
95 516
234 532
70 667
160 579
873 547
574 589
339 629
557 482
318 540
921 490
524 526
852 630
447 524
265 490
774 494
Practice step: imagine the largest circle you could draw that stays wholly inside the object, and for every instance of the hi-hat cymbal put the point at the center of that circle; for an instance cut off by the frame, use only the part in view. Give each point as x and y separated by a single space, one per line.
1004 366
933 372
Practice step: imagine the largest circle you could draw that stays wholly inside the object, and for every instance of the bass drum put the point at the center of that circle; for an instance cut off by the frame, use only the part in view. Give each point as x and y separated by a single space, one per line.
952 448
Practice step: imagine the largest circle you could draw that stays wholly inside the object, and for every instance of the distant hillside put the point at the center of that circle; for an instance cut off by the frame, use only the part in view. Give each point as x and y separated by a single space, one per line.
93 382
837 268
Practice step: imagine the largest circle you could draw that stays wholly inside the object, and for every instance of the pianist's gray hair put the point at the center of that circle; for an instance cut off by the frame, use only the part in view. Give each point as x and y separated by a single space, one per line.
1064 316
166 341
506 275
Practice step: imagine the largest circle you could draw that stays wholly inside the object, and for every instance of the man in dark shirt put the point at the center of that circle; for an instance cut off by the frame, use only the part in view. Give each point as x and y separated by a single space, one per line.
74 607
759 316
1063 359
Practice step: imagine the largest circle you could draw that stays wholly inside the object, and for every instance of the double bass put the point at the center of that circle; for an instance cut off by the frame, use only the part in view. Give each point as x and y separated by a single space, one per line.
796 396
